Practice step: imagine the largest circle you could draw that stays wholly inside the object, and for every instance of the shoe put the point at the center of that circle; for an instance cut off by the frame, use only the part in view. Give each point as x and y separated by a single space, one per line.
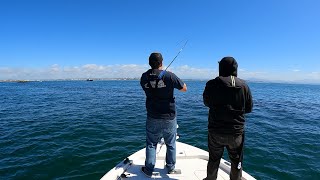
144 171
174 171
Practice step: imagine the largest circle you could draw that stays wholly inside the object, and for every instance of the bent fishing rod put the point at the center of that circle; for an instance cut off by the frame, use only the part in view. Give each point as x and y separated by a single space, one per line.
162 73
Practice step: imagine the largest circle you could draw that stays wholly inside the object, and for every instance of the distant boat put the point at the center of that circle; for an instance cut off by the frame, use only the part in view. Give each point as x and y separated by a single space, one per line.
89 79
23 81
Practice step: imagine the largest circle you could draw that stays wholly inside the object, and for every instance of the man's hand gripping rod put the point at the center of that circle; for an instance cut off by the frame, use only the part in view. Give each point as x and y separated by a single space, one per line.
162 73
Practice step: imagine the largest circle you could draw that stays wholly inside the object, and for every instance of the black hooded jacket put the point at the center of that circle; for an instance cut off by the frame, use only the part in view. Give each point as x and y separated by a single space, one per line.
228 98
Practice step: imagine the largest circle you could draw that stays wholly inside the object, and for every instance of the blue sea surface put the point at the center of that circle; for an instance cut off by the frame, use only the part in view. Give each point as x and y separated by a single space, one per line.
82 129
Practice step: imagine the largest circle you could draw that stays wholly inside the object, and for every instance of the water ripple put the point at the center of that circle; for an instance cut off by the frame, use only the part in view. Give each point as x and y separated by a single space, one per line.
80 130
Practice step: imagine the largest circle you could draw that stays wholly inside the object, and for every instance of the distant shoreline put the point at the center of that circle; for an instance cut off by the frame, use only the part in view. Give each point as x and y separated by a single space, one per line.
76 79
137 79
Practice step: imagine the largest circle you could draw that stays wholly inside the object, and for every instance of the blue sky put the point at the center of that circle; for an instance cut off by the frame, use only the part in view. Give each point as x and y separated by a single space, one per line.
49 39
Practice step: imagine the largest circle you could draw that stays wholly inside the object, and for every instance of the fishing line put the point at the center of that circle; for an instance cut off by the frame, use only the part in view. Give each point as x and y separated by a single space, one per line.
162 73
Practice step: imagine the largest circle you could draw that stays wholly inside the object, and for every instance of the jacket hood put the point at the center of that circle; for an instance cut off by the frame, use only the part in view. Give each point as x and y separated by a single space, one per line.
228 66
229 81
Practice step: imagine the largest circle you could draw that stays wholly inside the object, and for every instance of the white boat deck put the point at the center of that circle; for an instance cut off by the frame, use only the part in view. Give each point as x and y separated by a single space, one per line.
191 161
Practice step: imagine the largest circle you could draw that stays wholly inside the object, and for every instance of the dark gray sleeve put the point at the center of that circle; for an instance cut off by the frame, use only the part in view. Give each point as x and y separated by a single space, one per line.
207 95
141 80
249 102
177 82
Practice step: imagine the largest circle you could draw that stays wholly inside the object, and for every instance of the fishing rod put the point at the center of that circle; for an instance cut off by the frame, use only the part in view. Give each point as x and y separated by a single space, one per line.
162 73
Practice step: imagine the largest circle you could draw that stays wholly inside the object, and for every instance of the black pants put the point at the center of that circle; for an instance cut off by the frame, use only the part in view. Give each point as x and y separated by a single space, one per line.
216 144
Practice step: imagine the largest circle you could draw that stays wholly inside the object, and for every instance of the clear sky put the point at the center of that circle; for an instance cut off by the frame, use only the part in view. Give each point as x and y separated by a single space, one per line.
48 39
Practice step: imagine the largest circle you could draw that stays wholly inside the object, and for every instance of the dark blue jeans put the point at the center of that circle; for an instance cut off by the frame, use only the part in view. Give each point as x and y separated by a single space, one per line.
155 130
216 144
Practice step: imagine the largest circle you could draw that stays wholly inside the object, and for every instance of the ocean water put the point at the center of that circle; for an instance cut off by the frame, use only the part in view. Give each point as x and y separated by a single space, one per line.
81 129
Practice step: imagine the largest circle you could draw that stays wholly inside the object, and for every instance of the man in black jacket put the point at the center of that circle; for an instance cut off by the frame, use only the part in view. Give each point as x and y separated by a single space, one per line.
229 99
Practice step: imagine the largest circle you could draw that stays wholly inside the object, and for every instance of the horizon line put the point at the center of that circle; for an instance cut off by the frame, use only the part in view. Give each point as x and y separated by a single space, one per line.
136 78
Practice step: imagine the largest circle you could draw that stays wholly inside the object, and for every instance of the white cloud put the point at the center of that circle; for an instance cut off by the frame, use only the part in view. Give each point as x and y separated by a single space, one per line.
55 68
296 70
193 73
244 74
314 75
86 71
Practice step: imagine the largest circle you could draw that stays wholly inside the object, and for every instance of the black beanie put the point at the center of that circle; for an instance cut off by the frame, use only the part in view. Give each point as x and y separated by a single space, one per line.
228 66
155 60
